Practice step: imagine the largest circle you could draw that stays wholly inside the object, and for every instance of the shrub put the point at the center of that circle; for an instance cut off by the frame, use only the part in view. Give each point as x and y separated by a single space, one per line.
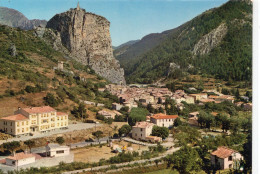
60 140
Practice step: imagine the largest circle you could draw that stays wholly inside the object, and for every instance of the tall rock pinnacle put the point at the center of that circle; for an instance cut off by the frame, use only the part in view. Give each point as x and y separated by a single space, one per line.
87 37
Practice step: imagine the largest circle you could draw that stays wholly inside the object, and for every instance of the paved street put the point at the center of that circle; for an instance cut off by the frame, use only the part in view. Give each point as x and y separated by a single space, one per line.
170 151
71 127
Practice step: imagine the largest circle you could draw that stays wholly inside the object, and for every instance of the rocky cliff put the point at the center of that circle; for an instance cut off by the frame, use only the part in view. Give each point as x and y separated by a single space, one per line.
87 38
14 18
210 40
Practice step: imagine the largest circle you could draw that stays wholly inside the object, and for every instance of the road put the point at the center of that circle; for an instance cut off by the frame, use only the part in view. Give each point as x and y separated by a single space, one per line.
170 151
71 128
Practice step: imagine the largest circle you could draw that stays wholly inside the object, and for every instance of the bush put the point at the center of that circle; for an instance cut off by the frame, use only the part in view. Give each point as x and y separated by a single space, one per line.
100 117
124 130
162 132
51 100
136 115
119 118
121 157
60 140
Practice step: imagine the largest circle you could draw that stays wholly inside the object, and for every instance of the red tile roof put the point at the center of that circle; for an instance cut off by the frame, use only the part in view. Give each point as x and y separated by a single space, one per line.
15 117
42 109
163 116
143 124
223 152
61 113
19 156
214 113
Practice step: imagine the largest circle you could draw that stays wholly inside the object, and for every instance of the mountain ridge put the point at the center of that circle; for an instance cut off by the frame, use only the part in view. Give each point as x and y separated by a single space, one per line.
234 46
14 18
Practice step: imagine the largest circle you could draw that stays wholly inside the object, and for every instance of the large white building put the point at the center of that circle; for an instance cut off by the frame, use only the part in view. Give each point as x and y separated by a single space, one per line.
33 119
163 120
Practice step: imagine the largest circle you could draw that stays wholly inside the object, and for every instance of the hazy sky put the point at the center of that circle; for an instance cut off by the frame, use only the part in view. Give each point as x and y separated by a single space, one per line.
130 19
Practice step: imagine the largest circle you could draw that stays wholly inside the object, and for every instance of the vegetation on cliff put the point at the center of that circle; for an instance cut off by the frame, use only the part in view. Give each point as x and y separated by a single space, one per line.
230 59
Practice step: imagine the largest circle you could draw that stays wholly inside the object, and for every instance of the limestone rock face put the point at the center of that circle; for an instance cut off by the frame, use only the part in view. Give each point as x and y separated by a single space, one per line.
210 40
86 36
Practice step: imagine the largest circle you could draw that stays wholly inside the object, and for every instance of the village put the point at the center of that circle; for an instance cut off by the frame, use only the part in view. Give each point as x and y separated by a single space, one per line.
31 122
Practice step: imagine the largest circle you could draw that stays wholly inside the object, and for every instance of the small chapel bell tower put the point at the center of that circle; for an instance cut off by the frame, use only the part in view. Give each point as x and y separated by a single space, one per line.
78 8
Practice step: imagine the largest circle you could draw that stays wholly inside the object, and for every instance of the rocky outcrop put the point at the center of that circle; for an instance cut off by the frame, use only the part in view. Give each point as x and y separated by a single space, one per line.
14 18
210 40
86 36
12 50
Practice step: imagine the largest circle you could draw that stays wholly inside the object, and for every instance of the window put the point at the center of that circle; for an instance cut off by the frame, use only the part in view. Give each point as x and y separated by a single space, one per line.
27 129
22 129
230 166
11 124
59 151
11 130
18 124
18 130
141 135
22 123
141 129
230 158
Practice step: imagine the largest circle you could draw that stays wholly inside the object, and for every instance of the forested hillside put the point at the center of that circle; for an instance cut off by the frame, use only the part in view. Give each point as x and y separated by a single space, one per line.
28 76
217 42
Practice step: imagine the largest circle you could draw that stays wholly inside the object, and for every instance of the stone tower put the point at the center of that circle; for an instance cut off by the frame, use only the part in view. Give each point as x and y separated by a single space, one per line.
78 8
60 65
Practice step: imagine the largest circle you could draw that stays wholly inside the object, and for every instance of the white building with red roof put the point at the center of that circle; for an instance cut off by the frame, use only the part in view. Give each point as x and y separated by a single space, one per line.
163 120
20 159
33 119
225 158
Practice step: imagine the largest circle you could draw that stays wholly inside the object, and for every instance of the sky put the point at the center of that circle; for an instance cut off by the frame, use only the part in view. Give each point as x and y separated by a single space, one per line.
130 19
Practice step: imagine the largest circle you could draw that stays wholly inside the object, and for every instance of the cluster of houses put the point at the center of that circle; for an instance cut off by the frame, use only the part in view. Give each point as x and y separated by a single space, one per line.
26 121
129 96
143 130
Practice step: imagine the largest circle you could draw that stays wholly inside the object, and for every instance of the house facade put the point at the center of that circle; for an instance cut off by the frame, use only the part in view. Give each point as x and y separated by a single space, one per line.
225 158
163 120
20 159
32 120
142 130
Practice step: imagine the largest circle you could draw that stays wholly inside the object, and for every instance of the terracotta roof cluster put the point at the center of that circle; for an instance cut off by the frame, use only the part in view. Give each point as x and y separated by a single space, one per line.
15 117
163 116
19 156
223 152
